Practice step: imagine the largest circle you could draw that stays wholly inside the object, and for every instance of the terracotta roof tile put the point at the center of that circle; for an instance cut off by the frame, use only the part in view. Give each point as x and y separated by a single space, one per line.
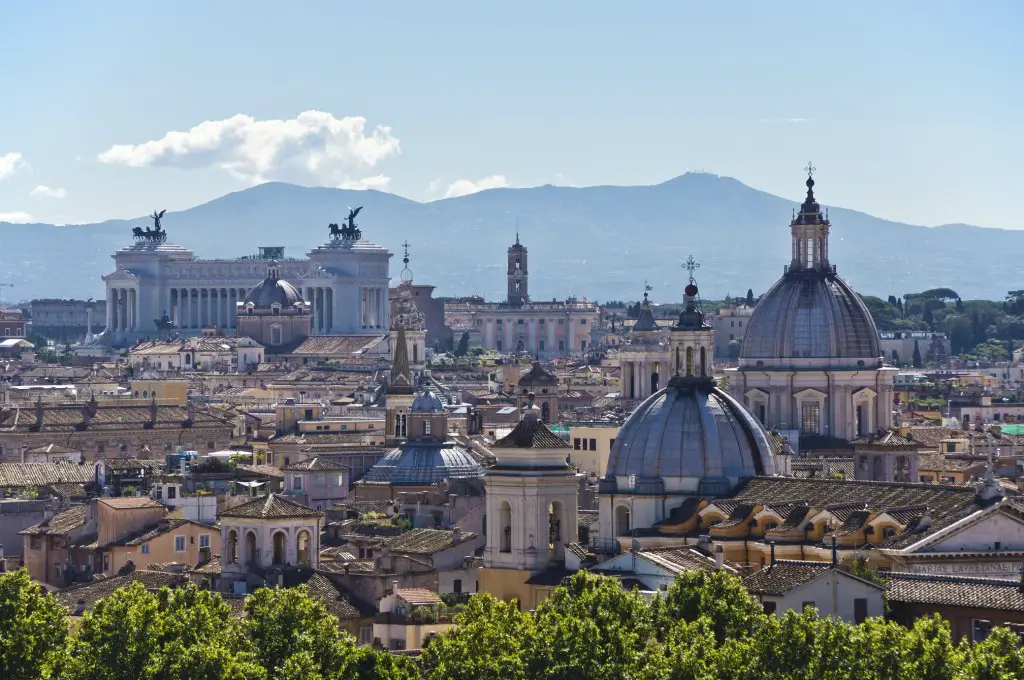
317 464
531 433
59 524
955 591
85 596
677 560
70 418
43 474
418 595
334 599
130 503
426 541
783 576
272 506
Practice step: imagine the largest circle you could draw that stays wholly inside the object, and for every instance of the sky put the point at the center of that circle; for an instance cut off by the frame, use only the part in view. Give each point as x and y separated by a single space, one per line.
909 110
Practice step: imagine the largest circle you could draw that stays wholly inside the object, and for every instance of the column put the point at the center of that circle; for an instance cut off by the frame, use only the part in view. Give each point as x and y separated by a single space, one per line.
133 314
329 311
552 344
319 310
362 306
110 310
382 306
571 345
122 309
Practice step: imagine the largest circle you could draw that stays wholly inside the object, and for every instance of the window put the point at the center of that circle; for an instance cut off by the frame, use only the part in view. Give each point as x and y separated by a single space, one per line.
179 544
576 444
769 607
275 335
101 447
457 585
365 635
499 345
204 541
980 629
520 322
561 345
593 445
35 542
583 322
542 322
805 605
397 644
56 567
297 483
810 418
541 343
860 610
172 493
426 427
145 549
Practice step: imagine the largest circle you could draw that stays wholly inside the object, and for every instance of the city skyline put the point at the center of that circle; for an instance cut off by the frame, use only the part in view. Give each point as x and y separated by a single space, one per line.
117 109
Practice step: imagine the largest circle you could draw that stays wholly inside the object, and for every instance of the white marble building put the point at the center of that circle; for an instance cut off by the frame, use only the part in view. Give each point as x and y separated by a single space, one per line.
344 281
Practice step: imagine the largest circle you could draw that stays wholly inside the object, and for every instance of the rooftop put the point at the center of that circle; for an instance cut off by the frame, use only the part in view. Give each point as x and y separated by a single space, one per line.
271 506
955 591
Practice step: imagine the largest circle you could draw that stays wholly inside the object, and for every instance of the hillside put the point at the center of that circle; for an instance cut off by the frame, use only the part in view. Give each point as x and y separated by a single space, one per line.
600 242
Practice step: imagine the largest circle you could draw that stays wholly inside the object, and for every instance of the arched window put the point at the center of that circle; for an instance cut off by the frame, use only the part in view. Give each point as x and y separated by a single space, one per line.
555 538
279 539
415 353
302 548
622 520
678 363
505 528
405 425
250 548
689 361
703 362
232 550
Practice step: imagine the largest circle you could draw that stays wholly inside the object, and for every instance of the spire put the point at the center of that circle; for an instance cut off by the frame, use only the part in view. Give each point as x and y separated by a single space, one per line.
406 272
645 319
517 229
400 373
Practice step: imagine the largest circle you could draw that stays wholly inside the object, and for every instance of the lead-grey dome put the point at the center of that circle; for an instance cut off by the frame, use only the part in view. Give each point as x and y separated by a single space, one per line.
689 437
811 314
427 402
424 463
273 290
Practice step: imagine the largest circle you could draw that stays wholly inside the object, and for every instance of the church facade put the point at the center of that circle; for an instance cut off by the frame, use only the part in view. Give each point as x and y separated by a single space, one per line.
520 324
811 361
344 282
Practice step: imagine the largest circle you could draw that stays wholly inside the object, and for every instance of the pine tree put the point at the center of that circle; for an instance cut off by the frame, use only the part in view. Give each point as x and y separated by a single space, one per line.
917 354
750 297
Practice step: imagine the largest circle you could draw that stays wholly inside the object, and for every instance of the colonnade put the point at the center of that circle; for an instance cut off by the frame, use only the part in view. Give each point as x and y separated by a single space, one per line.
320 301
373 307
194 308
123 309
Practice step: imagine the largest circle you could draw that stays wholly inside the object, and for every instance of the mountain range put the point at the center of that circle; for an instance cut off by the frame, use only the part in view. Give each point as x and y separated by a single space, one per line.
599 242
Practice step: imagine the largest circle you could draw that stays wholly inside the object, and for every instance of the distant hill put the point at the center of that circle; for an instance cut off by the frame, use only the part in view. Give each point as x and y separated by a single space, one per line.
600 242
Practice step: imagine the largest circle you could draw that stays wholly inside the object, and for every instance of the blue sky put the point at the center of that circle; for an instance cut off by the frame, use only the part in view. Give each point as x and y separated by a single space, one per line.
909 110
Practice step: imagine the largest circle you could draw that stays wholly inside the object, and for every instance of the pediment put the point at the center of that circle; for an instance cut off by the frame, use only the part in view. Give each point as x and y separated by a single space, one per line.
756 393
865 392
810 393
1001 524
122 275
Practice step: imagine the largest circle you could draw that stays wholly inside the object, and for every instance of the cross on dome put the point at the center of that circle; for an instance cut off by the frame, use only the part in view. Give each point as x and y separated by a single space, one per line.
810 169
691 265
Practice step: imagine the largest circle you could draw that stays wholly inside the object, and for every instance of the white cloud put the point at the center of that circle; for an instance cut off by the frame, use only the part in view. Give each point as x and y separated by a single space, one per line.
15 217
464 187
43 191
10 163
378 182
312 146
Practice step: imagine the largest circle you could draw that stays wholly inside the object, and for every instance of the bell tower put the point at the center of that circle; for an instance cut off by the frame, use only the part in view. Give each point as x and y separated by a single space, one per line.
518 294
692 339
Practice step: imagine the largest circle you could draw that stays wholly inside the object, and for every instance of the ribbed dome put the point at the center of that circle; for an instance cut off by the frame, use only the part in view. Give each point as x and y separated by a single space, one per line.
424 464
690 436
811 314
427 402
273 290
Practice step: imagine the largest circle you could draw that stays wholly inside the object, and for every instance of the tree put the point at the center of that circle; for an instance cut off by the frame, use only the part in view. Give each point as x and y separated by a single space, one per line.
750 297
33 628
719 596
916 359
463 347
367 663
487 644
282 623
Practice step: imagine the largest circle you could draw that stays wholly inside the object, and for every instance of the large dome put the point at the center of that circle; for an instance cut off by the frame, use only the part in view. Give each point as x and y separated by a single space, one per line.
424 463
689 437
273 291
811 314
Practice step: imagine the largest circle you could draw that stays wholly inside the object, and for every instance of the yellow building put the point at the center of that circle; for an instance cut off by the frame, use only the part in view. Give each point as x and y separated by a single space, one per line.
591 445
169 392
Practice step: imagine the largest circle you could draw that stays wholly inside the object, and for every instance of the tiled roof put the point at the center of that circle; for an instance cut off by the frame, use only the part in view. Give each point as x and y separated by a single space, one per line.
130 503
312 438
59 524
853 523
67 490
333 598
51 449
317 464
87 595
426 541
44 474
588 517
70 418
677 560
261 470
130 464
737 515
418 595
887 438
795 518
918 530
531 433
934 462
955 591
337 346
362 507
580 551
875 496
271 506
783 576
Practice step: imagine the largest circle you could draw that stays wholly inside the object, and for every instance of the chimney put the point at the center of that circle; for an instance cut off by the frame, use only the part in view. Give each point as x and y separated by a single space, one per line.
773 552
719 557
456 536
39 413
152 411
835 552
394 587
191 412
86 416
